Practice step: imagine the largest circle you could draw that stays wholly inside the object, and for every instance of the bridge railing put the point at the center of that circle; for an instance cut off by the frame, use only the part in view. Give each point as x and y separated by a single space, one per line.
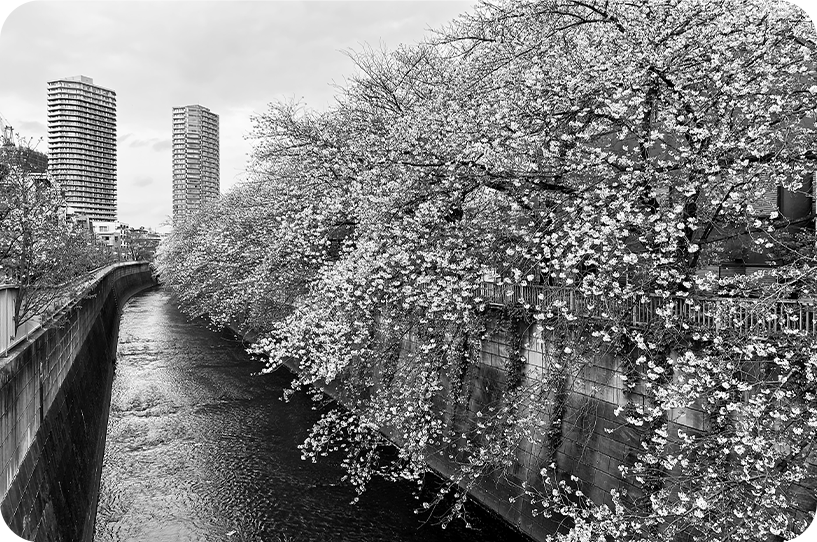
748 315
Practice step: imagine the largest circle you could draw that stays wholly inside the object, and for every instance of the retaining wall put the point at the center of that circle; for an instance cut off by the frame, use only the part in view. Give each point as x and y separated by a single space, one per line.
587 440
577 424
584 449
55 394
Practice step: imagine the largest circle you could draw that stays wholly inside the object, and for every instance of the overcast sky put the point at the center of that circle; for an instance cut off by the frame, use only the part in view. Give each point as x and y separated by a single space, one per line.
232 57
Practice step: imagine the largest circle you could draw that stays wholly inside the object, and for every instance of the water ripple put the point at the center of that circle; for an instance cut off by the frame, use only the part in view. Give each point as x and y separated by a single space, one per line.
198 449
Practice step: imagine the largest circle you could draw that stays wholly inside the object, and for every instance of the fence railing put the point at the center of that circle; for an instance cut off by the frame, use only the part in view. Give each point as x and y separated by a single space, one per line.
64 295
755 316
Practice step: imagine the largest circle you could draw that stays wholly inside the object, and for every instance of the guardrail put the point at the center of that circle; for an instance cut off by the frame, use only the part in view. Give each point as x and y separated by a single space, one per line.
72 292
747 315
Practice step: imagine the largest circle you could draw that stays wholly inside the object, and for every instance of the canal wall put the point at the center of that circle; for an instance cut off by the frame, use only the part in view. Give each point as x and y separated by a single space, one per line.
582 416
573 402
55 394
573 387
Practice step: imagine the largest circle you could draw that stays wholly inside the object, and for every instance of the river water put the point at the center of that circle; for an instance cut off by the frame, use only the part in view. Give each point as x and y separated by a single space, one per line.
200 449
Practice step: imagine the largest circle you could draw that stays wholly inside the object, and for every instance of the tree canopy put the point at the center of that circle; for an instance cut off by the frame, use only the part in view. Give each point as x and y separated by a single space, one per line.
619 149
41 252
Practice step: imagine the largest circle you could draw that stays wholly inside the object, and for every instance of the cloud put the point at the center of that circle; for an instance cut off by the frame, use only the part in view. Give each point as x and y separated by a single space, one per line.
156 143
27 126
161 145
142 181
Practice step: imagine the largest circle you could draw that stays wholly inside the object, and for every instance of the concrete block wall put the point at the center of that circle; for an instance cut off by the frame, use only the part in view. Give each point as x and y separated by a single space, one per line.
54 394
580 445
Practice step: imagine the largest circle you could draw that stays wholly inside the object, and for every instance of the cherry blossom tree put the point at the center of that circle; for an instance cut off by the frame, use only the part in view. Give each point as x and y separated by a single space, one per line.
41 253
238 260
617 150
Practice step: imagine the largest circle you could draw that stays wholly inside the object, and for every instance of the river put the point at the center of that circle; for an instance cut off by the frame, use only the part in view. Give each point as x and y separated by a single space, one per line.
201 448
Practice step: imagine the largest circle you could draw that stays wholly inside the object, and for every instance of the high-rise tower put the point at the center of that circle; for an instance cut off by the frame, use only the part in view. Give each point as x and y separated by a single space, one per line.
195 159
82 145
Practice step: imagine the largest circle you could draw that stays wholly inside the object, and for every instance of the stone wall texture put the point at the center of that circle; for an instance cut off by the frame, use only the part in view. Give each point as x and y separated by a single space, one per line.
54 401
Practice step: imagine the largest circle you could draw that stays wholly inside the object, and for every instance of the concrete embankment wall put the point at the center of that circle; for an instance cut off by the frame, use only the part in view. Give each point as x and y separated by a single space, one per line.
575 408
575 402
55 394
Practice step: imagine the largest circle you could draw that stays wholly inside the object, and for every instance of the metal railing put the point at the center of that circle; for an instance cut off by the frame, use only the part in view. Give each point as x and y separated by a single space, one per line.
755 316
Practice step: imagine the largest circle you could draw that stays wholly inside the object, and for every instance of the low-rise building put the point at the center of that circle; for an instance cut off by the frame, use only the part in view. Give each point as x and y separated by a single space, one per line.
114 236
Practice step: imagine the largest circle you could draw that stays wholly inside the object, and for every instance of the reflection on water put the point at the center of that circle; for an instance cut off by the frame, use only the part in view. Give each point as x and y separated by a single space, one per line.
198 449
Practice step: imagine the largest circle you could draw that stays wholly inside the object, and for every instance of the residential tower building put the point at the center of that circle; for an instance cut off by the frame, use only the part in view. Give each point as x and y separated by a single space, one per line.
195 159
82 145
